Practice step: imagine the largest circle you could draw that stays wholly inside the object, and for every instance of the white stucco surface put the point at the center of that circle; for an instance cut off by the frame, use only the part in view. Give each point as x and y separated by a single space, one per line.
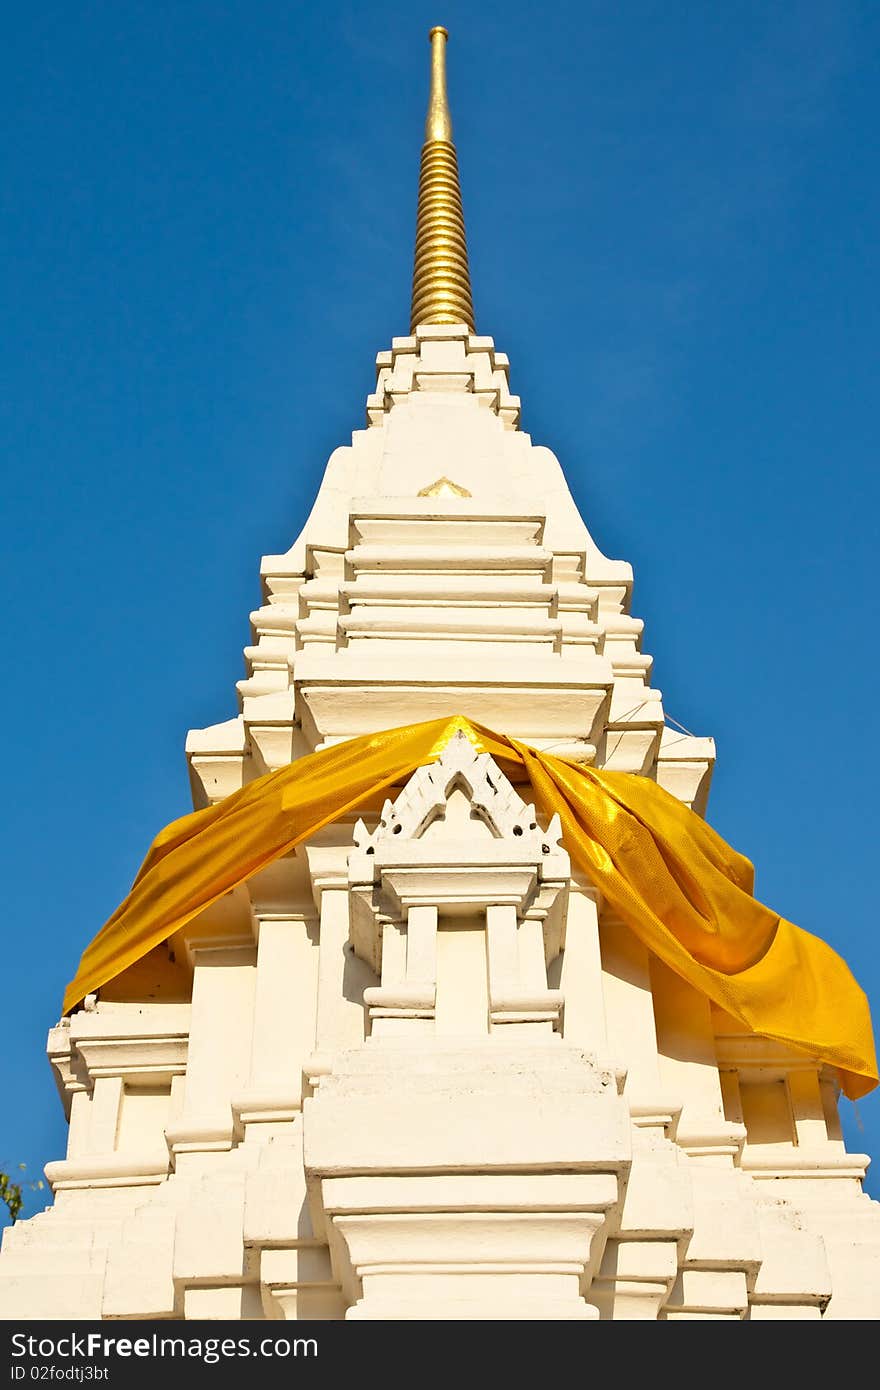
416 1069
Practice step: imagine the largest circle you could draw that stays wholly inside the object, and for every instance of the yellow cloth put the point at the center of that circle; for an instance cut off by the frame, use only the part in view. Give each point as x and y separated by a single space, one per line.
681 888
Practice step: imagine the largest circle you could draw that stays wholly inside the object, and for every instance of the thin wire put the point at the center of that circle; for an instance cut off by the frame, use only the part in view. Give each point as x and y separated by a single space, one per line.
626 714
669 720
620 732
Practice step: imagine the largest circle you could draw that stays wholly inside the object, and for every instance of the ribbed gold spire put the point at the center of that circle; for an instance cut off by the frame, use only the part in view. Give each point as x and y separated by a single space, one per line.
441 280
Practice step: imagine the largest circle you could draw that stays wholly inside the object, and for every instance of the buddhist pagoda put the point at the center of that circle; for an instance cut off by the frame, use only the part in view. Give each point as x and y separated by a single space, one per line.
446 1002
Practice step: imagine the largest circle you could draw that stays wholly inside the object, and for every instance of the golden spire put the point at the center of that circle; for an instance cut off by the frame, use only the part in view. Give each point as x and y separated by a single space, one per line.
441 280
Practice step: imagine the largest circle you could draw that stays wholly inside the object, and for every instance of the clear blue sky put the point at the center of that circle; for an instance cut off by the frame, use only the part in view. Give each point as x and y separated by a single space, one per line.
208 219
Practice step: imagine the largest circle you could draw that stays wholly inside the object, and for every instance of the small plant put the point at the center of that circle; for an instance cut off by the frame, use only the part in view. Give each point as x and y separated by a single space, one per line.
11 1192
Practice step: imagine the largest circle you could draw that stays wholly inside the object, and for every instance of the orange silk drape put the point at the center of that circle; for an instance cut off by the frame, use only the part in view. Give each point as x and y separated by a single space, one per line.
676 883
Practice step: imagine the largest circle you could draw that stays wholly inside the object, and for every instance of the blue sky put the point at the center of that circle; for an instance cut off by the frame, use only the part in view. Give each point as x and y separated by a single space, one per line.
207 230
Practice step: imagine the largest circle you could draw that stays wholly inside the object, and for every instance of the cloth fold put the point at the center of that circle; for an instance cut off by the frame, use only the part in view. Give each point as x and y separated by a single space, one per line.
673 880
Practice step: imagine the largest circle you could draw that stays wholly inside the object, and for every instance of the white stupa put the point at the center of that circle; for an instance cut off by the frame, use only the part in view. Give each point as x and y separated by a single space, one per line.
416 1068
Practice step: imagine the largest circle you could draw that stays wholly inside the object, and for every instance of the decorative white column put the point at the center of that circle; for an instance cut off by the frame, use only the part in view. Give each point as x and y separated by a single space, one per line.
580 974
342 977
632 1036
284 1021
219 1049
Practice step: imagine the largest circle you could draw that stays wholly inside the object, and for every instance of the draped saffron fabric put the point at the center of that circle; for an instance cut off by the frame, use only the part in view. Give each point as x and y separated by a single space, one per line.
677 884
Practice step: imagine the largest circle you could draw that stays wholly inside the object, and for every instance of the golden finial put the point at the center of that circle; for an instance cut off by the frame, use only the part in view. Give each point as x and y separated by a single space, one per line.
441 279
438 125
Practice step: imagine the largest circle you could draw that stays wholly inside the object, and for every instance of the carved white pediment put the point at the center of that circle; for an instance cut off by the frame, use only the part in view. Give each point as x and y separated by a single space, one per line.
492 798
457 840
